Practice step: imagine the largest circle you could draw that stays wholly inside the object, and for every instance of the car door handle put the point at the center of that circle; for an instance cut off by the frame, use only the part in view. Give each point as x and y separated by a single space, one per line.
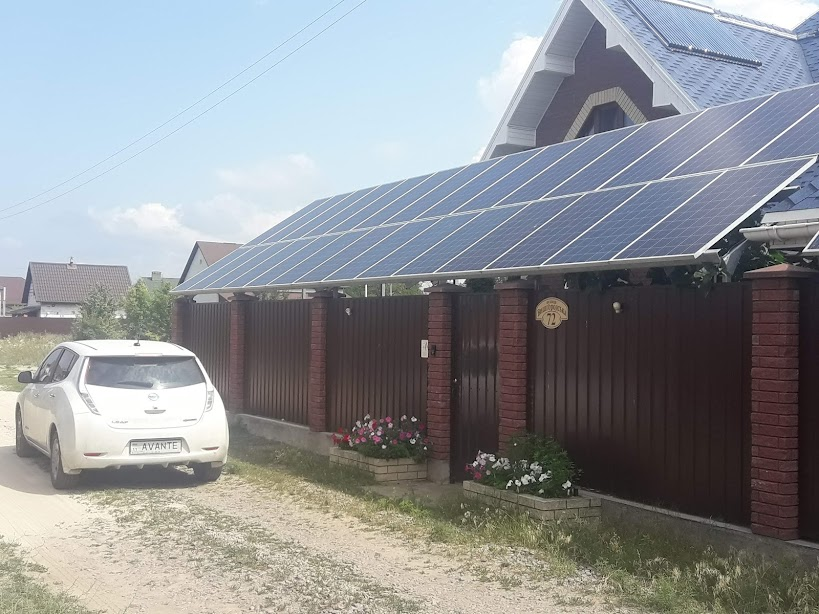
36 395
52 395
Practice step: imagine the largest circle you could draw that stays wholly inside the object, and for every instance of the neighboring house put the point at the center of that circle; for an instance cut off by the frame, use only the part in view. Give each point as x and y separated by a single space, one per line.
11 294
58 290
155 281
203 255
606 64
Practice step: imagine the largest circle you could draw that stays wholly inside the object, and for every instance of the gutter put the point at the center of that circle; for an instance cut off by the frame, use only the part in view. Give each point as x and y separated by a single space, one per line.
783 235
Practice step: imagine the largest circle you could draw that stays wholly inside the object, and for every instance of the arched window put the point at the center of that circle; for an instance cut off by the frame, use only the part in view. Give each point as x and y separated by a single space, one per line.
603 118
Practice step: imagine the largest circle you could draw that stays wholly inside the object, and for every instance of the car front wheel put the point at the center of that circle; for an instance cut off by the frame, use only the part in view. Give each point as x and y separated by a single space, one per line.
59 479
205 472
21 446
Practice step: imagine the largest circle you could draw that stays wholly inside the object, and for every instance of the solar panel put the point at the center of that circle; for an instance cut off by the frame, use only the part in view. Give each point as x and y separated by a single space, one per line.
813 246
653 193
751 134
715 211
693 30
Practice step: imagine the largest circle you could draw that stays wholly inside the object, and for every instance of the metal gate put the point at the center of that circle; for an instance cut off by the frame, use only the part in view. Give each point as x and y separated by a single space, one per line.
475 378
809 412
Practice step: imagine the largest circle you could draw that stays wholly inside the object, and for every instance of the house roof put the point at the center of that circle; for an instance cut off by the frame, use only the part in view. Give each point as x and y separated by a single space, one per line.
683 80
60 282
14 289
212 252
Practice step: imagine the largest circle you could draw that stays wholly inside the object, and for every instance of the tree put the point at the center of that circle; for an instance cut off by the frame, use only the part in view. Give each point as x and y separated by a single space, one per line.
375 290
98 317
148 314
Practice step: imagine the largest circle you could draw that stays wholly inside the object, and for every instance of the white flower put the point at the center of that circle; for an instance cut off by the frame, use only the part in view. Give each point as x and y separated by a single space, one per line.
358 423
548 475
488 472
414 419
383 447
474 463
425 447
492 458
404 417
412 441
467 514
567 485
509 484
543 477
517 482
367 418
540 492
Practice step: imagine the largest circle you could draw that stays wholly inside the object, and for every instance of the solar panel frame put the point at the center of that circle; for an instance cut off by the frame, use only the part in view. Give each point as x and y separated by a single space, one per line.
269 235
307 229
812 247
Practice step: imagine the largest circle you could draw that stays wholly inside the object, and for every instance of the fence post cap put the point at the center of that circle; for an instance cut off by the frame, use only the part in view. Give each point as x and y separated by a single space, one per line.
780 271
442 288
515 284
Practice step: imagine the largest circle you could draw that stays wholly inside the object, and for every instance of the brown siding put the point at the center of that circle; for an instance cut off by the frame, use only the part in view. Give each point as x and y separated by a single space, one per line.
54 326
652 403
277 359
208 336
596 69
374 363
809 412
475 345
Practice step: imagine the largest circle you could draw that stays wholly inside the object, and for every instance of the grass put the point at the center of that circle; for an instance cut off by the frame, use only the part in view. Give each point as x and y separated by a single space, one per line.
20 352
640 566
22 594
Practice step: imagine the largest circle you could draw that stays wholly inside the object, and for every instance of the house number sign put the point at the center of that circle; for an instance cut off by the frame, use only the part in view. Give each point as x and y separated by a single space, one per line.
552 312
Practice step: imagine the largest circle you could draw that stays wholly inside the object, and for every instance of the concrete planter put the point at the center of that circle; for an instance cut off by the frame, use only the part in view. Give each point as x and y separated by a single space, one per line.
570 508
383 470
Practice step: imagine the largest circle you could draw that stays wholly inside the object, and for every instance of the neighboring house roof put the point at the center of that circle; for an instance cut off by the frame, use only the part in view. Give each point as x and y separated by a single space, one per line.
14 289
60 282
211 252
807 197
683 80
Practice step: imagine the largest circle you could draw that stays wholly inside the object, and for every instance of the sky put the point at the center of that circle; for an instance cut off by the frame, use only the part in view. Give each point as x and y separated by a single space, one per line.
396 89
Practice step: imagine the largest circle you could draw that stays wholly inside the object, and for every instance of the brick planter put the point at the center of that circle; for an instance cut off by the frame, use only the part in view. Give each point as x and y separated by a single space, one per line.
383 470
571 508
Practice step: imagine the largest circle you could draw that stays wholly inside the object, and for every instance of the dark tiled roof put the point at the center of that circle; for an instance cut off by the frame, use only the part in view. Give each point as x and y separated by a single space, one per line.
14 289
807 197
55 282
711 81
809 39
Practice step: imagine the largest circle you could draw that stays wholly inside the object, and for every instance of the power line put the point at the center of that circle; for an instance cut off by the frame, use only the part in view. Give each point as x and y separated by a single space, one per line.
210 108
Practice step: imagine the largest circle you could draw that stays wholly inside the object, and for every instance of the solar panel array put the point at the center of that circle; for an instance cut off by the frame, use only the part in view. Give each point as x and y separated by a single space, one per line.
664 191
813 246
693 30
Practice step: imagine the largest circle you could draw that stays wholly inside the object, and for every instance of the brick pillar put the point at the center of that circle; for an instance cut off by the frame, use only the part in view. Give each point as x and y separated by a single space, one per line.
236 359
180 312
317 390
775 401
513 332
439 368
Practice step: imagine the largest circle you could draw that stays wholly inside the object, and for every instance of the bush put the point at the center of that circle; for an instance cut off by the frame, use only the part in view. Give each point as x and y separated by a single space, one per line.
536 466
386 438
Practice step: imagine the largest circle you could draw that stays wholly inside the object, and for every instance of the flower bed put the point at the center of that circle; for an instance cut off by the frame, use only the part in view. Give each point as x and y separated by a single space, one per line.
552 509
390 450
537 479
382 469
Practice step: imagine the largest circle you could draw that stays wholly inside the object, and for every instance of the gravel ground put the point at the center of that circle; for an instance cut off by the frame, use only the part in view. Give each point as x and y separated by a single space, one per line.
156 542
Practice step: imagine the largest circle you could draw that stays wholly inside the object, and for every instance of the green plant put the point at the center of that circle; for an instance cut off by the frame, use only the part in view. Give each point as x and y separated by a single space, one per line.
148 314
98 317
386 438
536 465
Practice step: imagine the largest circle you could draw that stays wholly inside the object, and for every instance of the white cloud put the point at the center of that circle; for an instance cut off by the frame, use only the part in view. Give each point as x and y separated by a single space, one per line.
10 243
391 151
496 90
284 174
786 13
479 154
155 222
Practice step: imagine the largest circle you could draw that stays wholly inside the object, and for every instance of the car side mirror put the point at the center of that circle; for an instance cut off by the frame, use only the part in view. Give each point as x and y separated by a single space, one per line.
25 377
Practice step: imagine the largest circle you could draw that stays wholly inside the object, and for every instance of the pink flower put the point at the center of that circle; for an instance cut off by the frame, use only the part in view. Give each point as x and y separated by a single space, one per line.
394 441
387 419
377 439
478 476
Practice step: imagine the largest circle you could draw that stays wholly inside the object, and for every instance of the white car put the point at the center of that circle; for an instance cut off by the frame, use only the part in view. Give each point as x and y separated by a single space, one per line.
108 404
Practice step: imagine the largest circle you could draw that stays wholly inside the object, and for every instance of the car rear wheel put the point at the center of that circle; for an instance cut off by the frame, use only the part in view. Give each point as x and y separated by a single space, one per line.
205 472
21 446
59 479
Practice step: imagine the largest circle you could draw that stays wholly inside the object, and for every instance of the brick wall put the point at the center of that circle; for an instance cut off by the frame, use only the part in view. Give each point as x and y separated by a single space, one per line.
775 401
236 371
317 390
512 359
180 311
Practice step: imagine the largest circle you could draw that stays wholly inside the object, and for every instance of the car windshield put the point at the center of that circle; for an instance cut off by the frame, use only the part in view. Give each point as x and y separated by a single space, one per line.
145 373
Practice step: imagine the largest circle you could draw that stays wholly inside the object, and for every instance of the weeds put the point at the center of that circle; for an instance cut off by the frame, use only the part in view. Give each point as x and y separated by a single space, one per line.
20 352
21 594
641 565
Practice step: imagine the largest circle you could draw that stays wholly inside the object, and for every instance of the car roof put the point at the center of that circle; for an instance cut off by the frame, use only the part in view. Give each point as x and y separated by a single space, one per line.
126 347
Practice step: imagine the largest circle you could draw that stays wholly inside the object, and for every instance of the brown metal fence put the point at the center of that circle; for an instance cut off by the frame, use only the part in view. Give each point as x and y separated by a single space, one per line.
277 359
374 363
653 403
53 326
475 411
809 411
208 336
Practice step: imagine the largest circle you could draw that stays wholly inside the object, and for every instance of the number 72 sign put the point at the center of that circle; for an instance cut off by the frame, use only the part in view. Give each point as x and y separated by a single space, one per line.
552 312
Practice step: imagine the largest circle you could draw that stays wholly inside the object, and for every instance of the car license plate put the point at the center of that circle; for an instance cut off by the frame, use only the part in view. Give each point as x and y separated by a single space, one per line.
156 446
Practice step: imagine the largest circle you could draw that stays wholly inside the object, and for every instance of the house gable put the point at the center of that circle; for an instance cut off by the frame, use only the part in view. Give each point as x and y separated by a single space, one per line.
601 76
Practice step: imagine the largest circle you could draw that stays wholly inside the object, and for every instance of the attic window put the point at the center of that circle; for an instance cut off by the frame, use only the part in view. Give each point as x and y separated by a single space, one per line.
694 29
604 118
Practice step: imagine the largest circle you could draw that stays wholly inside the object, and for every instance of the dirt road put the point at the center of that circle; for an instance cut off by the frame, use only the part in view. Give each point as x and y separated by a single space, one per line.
156 542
